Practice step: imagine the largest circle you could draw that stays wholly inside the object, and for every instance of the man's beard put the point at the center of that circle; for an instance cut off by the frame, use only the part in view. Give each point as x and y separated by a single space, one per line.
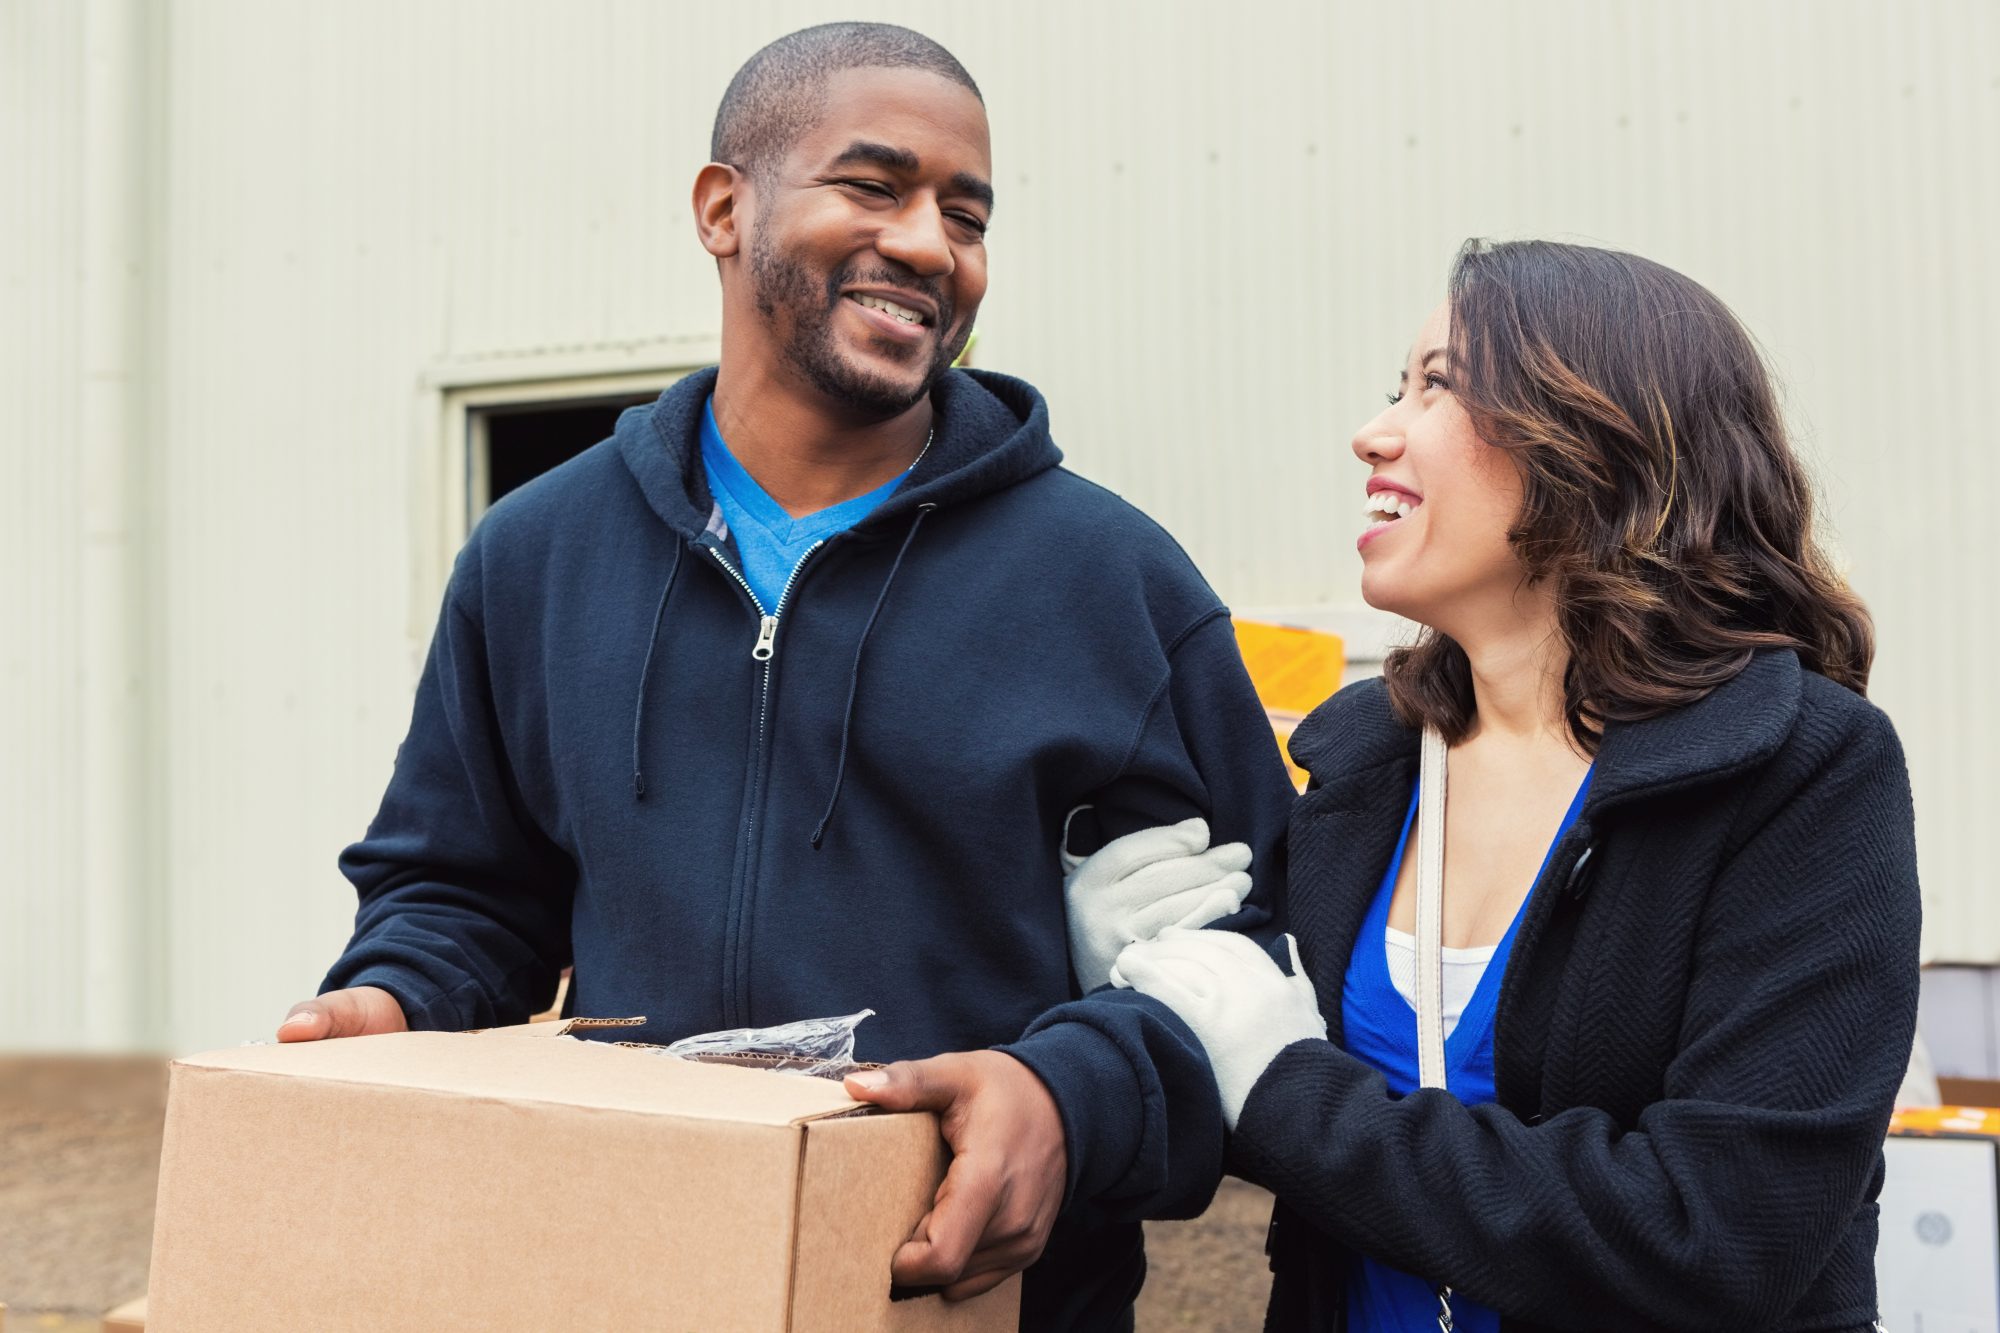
802 316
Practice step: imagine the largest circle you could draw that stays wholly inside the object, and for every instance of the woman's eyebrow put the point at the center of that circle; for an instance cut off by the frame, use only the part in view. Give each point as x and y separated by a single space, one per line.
1436 354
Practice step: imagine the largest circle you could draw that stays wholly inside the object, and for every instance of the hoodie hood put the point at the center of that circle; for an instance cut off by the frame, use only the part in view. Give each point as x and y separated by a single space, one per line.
989 432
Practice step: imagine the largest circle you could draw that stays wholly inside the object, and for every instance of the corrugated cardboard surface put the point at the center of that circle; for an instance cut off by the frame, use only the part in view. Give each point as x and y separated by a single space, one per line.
489 1181
853 1215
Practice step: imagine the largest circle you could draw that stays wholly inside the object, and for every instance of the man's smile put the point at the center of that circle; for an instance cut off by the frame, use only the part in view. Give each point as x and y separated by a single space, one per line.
894 325
909 309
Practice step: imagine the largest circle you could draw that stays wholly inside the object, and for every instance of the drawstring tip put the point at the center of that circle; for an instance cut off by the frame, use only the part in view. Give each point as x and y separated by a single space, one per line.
638 786
819 835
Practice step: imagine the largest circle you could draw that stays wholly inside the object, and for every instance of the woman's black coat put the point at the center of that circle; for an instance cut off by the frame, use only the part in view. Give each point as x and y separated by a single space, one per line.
1701 1030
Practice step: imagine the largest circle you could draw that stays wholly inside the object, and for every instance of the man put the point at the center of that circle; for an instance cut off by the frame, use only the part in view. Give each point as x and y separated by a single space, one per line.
865 645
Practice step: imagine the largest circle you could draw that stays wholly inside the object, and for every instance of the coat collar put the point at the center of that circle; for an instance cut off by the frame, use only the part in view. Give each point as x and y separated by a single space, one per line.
1736 726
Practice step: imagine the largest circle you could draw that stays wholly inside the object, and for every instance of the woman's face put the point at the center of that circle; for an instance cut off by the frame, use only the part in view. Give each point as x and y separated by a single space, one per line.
1439 501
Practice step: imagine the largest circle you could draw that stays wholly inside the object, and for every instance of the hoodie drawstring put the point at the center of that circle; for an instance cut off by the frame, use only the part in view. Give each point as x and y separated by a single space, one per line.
646 674
854 680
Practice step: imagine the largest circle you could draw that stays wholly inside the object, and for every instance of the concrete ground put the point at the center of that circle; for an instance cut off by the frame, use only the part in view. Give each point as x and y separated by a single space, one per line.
79 1149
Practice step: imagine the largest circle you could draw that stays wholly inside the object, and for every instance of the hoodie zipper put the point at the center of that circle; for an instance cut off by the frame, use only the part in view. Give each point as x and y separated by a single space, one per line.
736 978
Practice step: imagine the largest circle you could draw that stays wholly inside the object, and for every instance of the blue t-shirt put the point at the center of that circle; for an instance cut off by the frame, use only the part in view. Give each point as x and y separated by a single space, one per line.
769 541
1379 1027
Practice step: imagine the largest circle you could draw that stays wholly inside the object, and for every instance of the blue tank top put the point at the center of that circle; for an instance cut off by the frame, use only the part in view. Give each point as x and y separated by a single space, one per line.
1379 1026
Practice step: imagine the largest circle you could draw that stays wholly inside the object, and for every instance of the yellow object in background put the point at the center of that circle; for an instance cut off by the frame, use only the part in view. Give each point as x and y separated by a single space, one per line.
1294 671
1977 1121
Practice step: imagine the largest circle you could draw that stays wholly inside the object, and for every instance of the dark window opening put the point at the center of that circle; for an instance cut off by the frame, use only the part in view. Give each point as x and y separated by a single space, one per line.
524 442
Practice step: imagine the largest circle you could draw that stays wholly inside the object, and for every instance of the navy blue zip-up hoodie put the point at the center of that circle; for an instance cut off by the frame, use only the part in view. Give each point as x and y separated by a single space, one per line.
726 818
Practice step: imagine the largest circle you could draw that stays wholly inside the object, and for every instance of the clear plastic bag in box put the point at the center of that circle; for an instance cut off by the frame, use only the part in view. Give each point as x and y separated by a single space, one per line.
821 1047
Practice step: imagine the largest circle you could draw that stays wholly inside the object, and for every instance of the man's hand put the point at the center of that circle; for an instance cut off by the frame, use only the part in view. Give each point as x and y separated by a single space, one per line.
1009 1167
360 1012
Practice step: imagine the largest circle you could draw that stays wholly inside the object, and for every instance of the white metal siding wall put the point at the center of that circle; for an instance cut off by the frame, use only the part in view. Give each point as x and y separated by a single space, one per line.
1218 228
79 907
42 936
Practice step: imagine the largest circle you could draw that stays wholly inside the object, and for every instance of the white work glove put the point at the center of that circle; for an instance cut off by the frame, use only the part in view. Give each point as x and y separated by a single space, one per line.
1242 1008
1136 886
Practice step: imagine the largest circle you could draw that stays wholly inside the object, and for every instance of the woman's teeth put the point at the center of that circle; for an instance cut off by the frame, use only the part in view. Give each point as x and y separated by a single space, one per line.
904 313
1387 506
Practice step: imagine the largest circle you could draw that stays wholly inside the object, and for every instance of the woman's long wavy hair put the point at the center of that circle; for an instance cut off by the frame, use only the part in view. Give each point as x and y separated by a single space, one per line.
1662 497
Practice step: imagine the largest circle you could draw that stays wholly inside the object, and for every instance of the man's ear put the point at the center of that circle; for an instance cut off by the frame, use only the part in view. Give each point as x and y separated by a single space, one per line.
718 190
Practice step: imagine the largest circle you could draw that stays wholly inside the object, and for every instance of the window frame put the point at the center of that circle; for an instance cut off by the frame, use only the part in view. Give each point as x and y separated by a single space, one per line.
449 470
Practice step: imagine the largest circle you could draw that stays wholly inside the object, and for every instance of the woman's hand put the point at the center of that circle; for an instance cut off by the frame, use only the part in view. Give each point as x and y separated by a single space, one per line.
1243 1009
1138 885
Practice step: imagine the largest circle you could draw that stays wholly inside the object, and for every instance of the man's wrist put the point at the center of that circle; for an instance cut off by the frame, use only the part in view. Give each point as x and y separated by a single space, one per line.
1095 1092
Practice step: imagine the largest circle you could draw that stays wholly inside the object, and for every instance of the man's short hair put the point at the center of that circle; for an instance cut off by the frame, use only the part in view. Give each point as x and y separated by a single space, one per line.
780 92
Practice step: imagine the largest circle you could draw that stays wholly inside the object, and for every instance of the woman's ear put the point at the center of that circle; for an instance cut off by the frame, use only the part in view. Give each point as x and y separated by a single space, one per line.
717 192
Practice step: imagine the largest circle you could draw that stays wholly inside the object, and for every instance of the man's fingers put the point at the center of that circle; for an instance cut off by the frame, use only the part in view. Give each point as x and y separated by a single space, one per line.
357 1012
1009 1248
911 1254
305 1022
1006 1138
907 1085
945 1239
978 1286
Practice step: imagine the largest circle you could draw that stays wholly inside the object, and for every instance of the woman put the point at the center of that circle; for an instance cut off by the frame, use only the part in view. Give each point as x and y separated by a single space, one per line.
1679 922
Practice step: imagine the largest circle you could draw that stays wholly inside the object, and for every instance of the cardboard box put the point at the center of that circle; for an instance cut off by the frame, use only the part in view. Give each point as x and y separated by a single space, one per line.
1983 1092
127 1318
1937 1264
521 1179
